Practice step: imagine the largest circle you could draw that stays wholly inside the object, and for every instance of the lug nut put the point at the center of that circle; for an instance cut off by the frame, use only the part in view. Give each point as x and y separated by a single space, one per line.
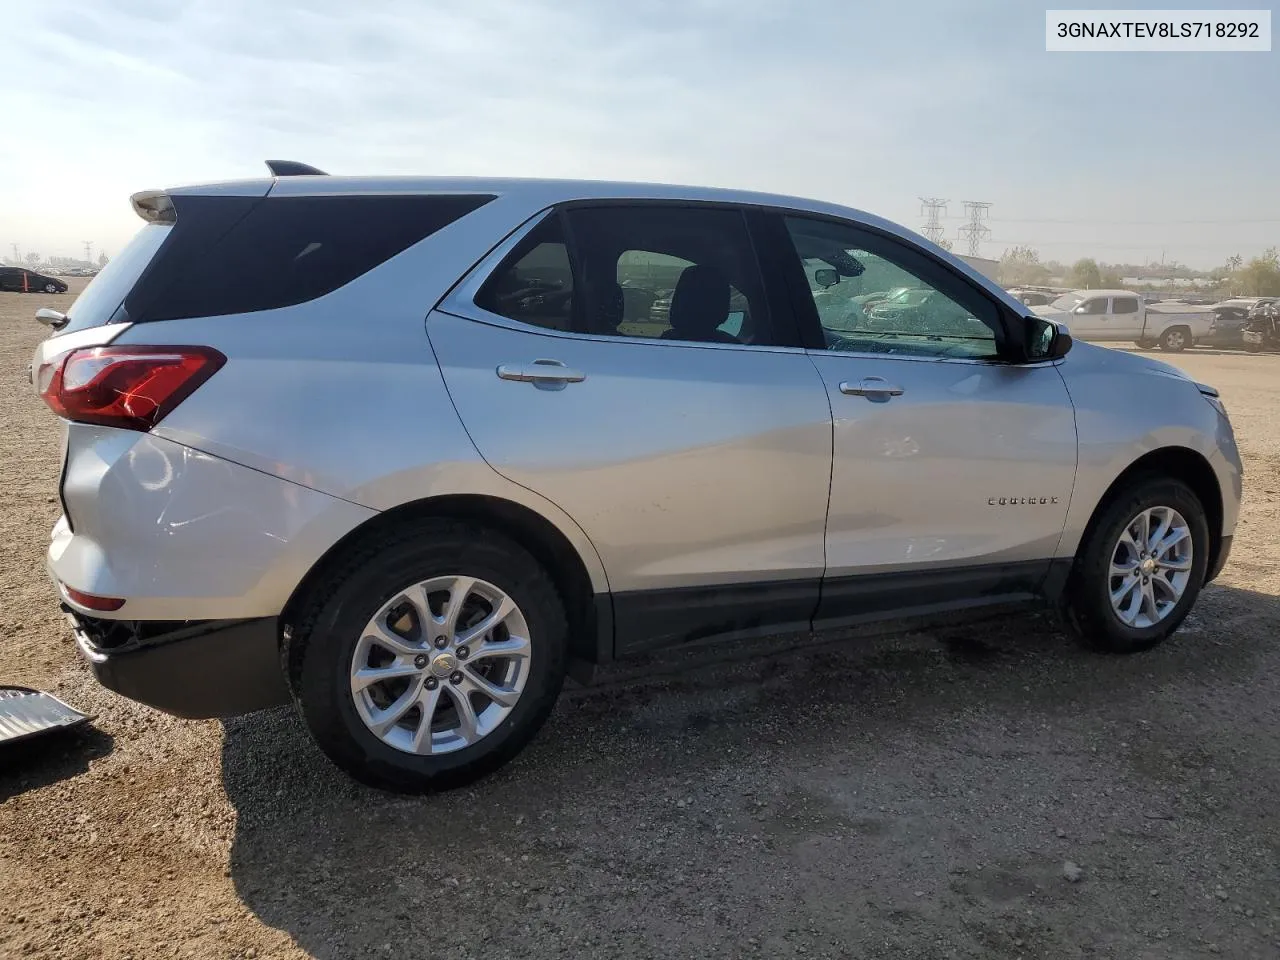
441 642
420 661
463 653
455 677
432 683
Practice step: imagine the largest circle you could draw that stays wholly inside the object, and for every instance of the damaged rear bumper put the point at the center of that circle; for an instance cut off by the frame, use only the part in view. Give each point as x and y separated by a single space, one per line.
195 669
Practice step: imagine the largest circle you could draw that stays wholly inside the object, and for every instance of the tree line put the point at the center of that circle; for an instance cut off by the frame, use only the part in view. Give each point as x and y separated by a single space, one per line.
1257 277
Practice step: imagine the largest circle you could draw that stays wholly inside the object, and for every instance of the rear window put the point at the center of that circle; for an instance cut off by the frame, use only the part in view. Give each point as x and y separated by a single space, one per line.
1124 305
280 251
98 301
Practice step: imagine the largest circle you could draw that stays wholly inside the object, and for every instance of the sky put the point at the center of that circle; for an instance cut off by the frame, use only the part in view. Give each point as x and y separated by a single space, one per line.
1127 157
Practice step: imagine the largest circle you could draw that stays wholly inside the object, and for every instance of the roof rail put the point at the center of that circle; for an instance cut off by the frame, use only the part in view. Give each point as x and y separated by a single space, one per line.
292 168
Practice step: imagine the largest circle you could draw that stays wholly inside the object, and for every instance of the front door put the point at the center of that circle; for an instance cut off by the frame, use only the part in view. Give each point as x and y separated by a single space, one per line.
691 440
1090 320
952 470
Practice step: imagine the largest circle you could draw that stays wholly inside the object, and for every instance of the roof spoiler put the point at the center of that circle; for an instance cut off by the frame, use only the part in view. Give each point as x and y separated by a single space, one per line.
153 206
292 168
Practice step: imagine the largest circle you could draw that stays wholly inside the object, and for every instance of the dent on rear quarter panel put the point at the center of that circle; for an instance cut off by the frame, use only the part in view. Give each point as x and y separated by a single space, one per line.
1124 411
343 394
184 535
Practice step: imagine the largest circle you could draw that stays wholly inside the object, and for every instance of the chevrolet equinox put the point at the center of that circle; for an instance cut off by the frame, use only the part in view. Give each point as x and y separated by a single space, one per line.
407 452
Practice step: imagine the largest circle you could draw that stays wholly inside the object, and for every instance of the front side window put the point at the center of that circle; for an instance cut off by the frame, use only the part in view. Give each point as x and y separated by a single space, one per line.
875 295
1095 307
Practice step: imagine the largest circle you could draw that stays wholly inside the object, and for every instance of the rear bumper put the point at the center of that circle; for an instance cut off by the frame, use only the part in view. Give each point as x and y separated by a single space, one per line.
194 669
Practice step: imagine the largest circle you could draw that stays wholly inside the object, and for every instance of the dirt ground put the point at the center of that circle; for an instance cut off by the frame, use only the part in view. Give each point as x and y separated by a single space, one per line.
912 795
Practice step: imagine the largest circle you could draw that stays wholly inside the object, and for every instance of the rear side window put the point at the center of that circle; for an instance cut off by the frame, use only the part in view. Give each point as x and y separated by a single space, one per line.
1124 305
281 251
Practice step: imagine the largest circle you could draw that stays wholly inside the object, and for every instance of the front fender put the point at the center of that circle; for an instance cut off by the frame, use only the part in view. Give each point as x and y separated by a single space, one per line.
1127 407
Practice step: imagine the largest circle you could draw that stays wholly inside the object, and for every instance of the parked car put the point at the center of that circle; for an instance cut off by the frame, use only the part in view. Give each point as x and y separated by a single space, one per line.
292 488
22 280
1033 298
1261 305
1111 315
1228 324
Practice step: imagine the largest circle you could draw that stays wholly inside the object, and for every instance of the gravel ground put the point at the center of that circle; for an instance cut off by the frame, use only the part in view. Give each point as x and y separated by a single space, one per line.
980 790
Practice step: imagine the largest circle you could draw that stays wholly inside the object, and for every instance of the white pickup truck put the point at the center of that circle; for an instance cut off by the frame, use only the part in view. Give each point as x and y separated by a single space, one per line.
1122 315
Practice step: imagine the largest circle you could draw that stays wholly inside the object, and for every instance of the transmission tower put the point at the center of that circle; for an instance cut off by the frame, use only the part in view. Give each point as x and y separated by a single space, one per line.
931 208
88 251
16 257
975 230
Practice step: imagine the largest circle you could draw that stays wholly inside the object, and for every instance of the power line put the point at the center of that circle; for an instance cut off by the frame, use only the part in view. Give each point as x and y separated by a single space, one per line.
1105 246
929 208
1128 223
975 229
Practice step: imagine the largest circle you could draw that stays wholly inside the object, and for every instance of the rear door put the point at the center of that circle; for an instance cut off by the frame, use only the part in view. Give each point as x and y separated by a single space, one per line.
691 441
952 469
1125 318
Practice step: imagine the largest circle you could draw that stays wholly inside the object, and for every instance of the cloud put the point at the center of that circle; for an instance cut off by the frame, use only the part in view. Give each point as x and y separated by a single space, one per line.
870 106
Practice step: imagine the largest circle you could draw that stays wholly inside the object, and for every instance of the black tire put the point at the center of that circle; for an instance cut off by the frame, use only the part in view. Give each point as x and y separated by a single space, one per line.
1088 599
1253 347
1175 339
317 651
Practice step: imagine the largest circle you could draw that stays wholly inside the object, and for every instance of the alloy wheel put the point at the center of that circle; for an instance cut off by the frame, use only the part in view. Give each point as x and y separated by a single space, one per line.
1150 567
440 665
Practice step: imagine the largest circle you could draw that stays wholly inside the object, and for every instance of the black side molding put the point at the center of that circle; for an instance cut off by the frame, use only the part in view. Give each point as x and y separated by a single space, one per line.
292 168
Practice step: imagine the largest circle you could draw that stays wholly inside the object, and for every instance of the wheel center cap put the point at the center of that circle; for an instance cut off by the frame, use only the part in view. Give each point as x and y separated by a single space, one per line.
443 664
1148 566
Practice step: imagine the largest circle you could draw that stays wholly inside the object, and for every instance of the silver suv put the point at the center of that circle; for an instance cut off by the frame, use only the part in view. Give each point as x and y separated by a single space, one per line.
403 451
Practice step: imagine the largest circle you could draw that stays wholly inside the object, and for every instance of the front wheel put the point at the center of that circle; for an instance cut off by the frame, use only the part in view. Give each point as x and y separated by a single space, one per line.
432 659
1140 568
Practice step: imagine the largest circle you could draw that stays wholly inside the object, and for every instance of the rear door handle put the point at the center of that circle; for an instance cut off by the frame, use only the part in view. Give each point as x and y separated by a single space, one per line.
540 372
877 388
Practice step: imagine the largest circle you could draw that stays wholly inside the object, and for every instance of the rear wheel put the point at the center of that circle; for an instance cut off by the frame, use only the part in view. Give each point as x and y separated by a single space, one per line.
1140 568
432 660
1175 339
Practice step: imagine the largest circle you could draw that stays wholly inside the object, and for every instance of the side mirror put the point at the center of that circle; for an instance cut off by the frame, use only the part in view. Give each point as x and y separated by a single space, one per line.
1046 340
1080 309
826 277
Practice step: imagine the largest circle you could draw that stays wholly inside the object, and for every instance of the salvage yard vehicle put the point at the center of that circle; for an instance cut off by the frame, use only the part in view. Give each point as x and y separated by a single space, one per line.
376 478
1112 315
22 280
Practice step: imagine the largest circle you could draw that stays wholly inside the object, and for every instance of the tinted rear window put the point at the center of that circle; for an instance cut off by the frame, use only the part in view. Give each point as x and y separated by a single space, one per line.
227 255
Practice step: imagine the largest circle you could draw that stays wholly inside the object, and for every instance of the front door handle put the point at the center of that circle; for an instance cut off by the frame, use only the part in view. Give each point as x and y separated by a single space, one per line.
540 372
877 388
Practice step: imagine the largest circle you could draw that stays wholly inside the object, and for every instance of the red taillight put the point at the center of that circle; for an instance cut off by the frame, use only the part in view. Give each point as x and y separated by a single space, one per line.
124 386
91 602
